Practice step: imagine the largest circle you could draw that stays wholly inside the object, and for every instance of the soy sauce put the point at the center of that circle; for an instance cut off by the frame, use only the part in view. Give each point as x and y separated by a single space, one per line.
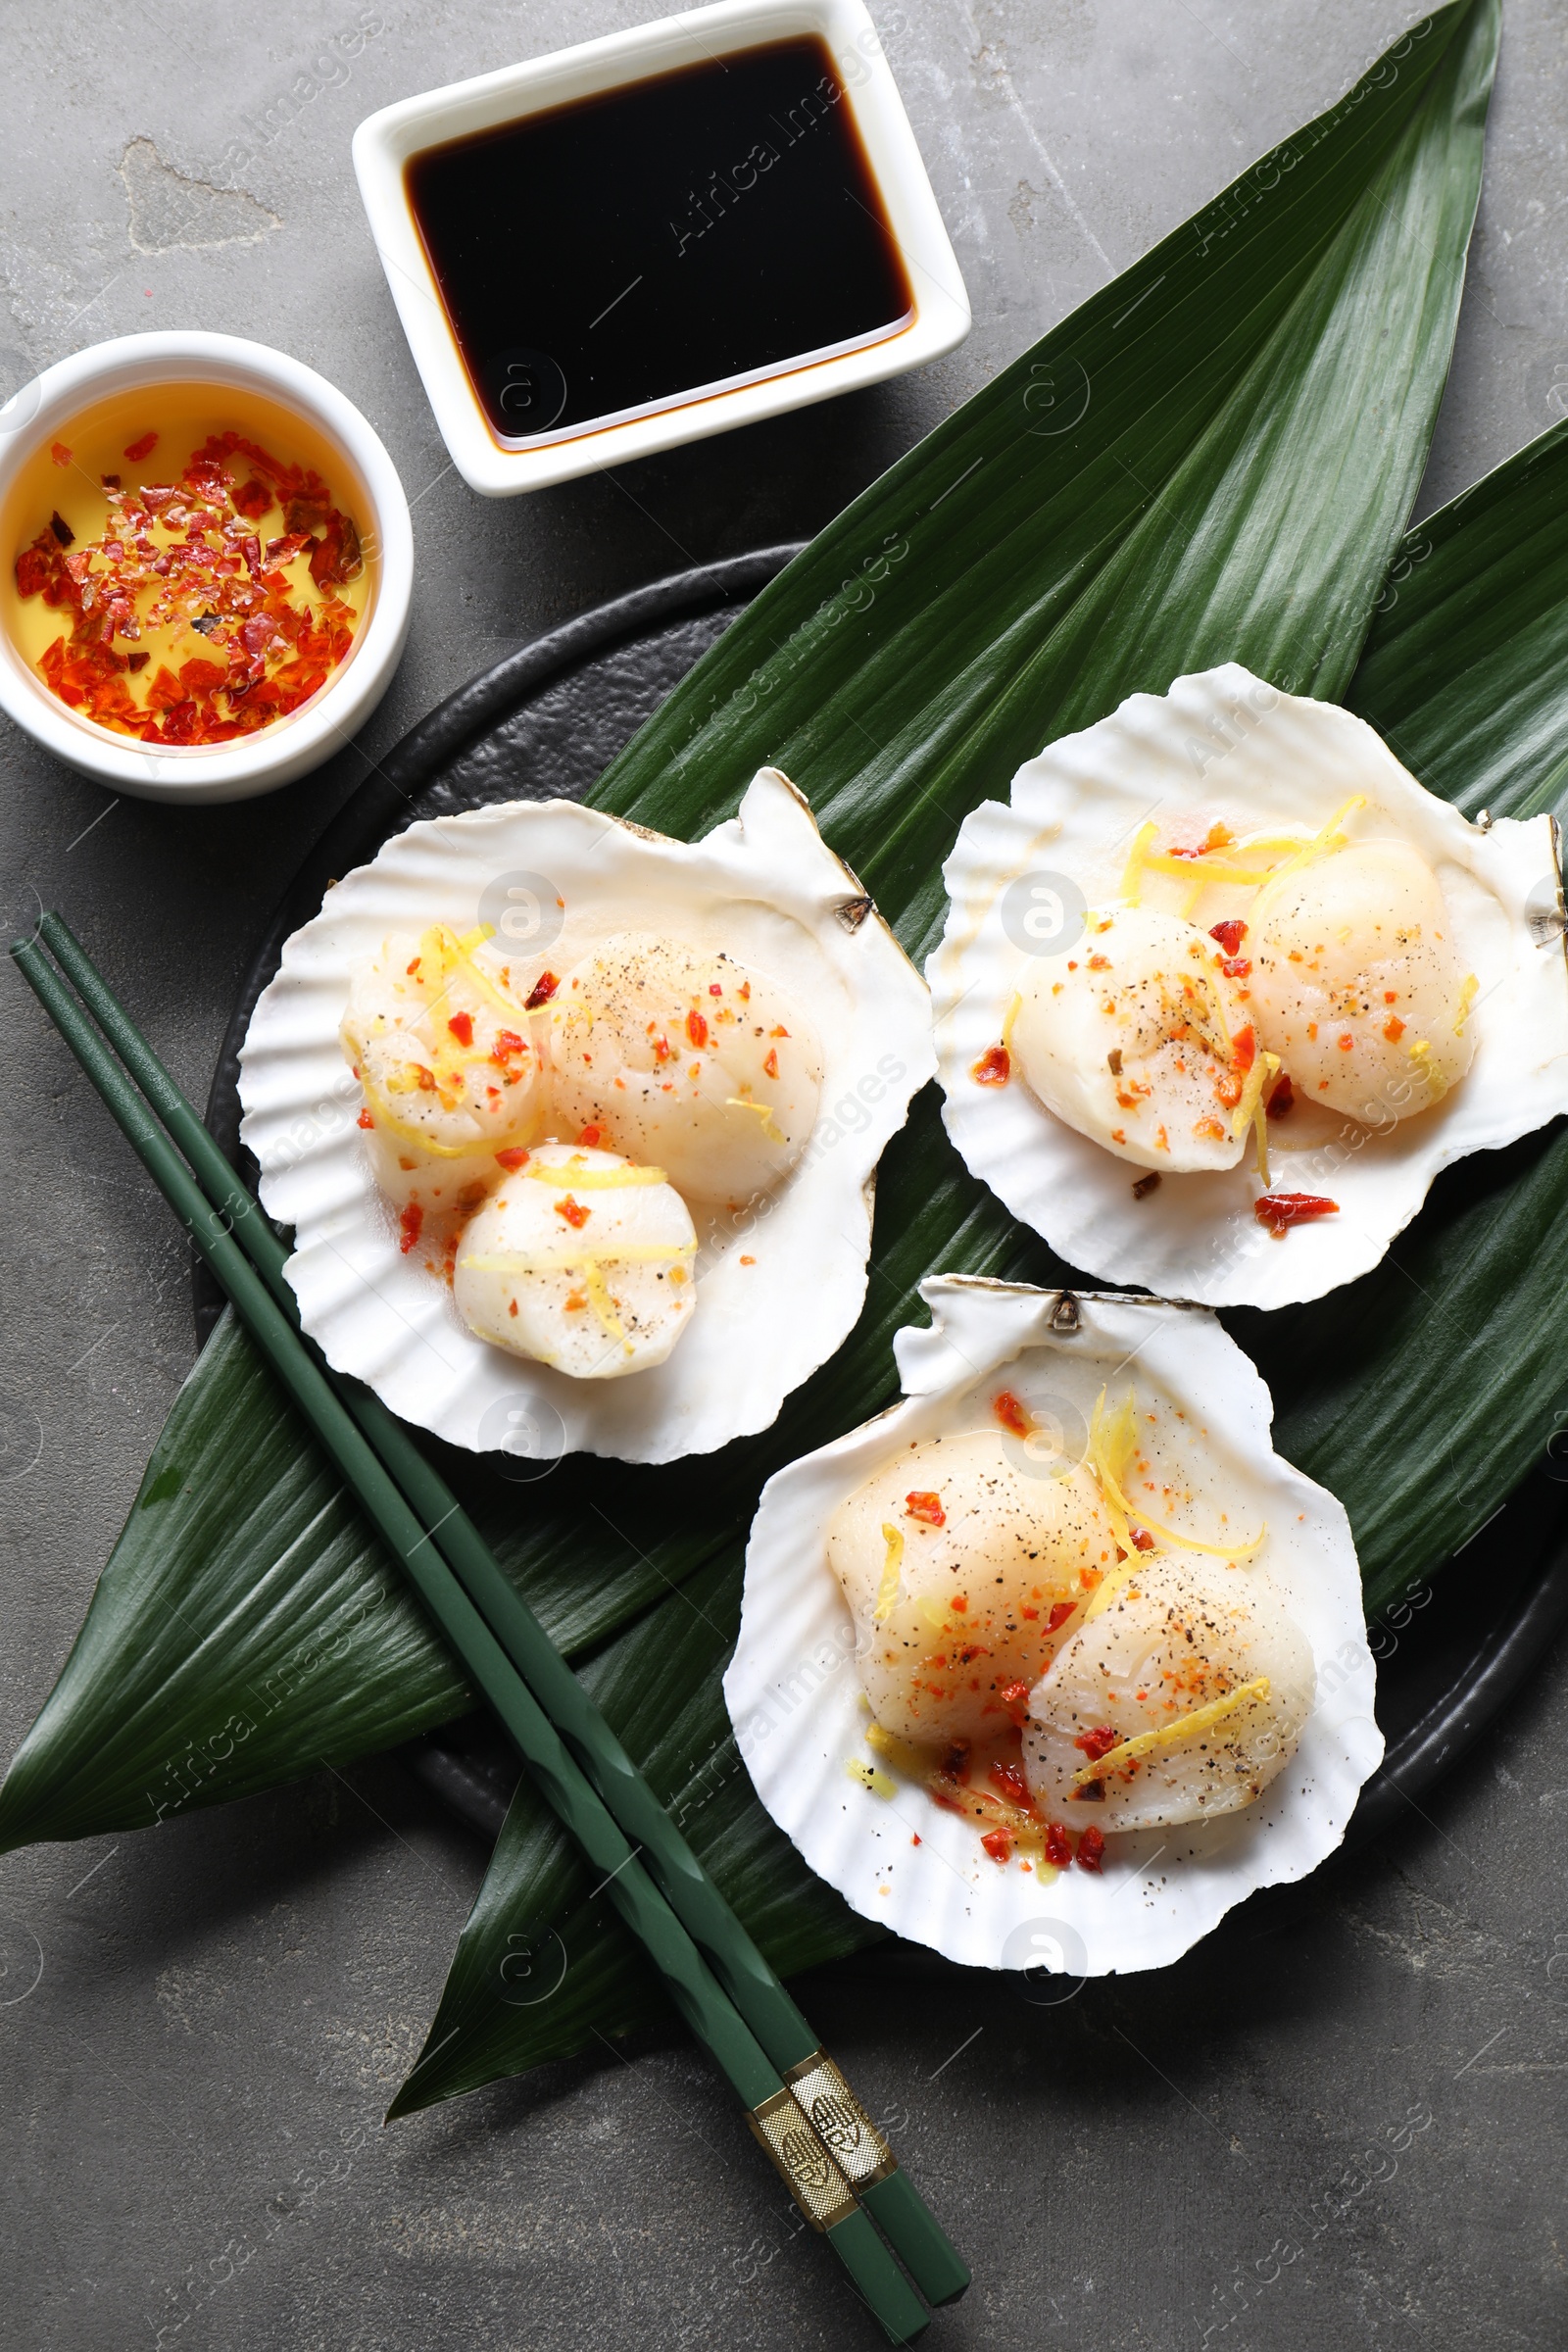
632 247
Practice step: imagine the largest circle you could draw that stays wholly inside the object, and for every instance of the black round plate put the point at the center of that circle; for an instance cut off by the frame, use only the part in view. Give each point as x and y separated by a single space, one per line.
543 725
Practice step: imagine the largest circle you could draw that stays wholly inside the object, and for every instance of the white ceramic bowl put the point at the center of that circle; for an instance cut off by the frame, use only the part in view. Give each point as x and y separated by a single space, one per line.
260 763
386 141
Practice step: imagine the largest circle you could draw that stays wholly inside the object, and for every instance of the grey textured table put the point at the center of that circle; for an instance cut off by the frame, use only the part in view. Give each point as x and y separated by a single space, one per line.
1332 2125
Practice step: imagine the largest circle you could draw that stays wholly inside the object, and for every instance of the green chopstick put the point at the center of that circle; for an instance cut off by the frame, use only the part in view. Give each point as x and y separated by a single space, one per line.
815 2182
826 2098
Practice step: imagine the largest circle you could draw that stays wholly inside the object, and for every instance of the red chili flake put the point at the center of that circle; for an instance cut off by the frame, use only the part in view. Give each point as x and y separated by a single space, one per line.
589 1136
1097 1743
251 498
998 1844
1230 935
62 528
1092 1851
33 573
137 661
1234 967
662 1050
1244 1047
696 1028
1394 1028
462 1027
513 1157
1010 1414
1058 1844
365 1119
543 989
1007 1780
994 1067
1283 1098
142 448
575 1214
1061 1611
1346 1041
960 1601
182 722
336 555
1143 1541
59 453
512 1307
508 1044
770 1065
714 989
1014 1696
409 1225
1280 1210
925 1506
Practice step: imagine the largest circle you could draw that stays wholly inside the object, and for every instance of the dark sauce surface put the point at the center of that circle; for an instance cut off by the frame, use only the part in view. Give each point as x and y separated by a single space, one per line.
612 255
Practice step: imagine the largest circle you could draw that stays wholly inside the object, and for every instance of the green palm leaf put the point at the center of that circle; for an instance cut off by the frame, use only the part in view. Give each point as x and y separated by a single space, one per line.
1211 459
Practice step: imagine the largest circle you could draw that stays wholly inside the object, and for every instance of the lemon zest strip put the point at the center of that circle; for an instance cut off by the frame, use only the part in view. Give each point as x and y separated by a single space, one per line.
888 1589
765 1111
869 1777
1132 873
1110 1584
573 1176
1111 1472
916 1762
1469 990
1420 1054
1105 1466
604 1307
1251 1094
1323 843
1145 1744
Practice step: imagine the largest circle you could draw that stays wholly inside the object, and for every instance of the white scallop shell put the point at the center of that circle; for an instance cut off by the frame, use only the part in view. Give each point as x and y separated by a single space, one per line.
793 1696
1227 743
765 888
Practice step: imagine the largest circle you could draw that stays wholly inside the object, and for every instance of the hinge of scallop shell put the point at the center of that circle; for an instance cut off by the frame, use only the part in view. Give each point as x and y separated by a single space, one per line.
1064 1314
852 912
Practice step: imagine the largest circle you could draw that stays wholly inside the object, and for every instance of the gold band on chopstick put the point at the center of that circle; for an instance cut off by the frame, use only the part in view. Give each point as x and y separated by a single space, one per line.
808 2172
839 2119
